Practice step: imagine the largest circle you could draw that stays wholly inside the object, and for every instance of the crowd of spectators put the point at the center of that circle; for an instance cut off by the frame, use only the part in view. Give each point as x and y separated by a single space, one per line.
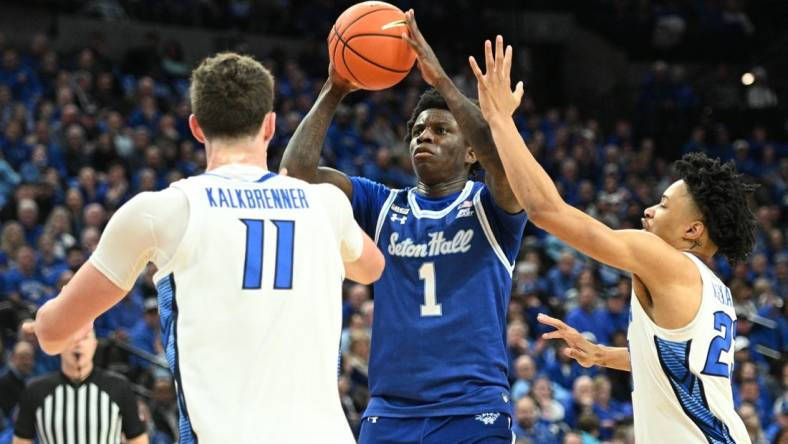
82 132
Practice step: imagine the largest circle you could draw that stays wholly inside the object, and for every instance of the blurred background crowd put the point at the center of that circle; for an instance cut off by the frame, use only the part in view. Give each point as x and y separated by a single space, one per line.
84 128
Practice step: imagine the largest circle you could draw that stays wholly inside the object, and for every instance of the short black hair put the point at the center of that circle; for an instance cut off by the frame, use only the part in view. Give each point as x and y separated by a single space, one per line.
432 99
722 195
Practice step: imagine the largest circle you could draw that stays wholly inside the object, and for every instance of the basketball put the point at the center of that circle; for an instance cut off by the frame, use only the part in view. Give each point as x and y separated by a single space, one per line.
366 48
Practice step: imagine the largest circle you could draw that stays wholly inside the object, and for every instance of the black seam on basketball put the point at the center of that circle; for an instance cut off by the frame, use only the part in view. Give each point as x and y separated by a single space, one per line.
364 15
359 82
386 68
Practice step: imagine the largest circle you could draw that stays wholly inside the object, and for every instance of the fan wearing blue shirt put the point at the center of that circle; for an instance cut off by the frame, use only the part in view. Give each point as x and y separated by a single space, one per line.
438 369
24 283
586 317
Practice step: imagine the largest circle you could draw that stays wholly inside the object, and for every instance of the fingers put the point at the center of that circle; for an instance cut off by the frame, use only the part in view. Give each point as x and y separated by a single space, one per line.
476 70
412 43
578 355
488 57
507 62
499 55
413 27
551 321
555 334
29 327
519 90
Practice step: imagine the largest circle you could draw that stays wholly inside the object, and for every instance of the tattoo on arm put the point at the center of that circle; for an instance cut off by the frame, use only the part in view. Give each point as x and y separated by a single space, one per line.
471 121
302 155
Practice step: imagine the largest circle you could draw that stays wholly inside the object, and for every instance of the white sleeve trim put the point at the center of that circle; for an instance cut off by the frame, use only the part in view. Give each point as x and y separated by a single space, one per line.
488 233
383 212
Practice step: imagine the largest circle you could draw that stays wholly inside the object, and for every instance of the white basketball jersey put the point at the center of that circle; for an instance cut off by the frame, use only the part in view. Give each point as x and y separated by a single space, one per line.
251 310
681 378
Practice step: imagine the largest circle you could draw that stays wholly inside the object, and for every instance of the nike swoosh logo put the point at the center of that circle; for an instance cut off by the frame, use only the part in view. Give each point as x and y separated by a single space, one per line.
393 24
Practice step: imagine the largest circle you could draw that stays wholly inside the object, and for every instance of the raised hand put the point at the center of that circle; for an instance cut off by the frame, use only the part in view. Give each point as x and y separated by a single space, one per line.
495 86
343 84
431 70
579 348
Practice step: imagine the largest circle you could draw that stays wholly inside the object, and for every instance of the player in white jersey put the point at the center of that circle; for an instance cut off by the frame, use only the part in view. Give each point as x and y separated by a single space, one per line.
681 333
250 268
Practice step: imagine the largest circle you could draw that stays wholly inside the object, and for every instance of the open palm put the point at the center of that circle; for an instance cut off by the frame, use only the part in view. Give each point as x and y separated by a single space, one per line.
496 96
578 347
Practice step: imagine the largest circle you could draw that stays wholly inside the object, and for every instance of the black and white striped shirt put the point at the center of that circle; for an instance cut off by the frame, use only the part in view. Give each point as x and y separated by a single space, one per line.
94 411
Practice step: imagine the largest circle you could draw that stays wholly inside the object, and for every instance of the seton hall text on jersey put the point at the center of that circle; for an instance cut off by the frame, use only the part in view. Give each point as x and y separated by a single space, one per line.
280 198
438 245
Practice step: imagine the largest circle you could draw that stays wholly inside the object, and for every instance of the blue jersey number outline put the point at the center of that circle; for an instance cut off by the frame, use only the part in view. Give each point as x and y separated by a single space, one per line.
719 344
253 257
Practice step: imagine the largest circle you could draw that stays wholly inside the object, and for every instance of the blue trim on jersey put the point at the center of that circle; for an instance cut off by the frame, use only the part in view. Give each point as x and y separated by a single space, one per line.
168 316
439 214
688 387
265 177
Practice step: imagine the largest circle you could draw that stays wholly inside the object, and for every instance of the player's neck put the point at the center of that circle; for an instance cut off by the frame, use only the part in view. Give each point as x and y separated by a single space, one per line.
441 189
219 156
703 249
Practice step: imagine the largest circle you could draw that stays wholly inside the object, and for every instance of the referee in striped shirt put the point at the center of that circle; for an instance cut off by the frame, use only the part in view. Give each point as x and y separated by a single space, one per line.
80 404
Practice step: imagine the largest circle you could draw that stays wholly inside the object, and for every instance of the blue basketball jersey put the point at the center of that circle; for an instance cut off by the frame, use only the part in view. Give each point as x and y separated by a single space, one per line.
439 333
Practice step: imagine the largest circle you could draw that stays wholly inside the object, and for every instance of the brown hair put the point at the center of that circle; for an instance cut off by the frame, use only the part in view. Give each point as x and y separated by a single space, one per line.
230 95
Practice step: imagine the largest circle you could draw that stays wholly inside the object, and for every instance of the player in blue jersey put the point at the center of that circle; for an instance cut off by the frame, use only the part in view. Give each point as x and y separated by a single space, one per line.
438 364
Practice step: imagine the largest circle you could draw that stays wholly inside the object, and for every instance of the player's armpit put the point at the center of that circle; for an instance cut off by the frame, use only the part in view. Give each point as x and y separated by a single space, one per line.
82 300
635 251
336 178
302 154
369 265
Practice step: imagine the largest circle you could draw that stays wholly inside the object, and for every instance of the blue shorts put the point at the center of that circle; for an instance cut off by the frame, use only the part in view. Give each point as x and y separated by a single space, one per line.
486 428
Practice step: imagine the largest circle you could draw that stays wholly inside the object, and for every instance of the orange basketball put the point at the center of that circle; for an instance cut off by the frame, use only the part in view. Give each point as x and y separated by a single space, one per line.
366 48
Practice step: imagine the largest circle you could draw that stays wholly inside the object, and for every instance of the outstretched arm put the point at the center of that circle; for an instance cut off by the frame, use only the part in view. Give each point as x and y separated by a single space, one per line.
585 352
469 117
639 252
302 155
72 312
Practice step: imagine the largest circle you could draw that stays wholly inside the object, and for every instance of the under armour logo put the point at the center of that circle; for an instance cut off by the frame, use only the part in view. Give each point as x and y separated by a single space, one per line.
373 419
400 219
488 418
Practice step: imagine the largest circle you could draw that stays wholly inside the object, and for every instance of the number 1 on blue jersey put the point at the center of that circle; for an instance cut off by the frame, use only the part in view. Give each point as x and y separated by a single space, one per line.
431 307
253 258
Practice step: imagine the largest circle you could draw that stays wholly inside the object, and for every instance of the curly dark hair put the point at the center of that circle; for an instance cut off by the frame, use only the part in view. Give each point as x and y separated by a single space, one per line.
721 194
432 99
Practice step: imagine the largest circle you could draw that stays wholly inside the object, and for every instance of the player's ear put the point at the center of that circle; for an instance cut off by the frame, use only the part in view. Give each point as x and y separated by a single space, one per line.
695 230
194 125
470 155
269 126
